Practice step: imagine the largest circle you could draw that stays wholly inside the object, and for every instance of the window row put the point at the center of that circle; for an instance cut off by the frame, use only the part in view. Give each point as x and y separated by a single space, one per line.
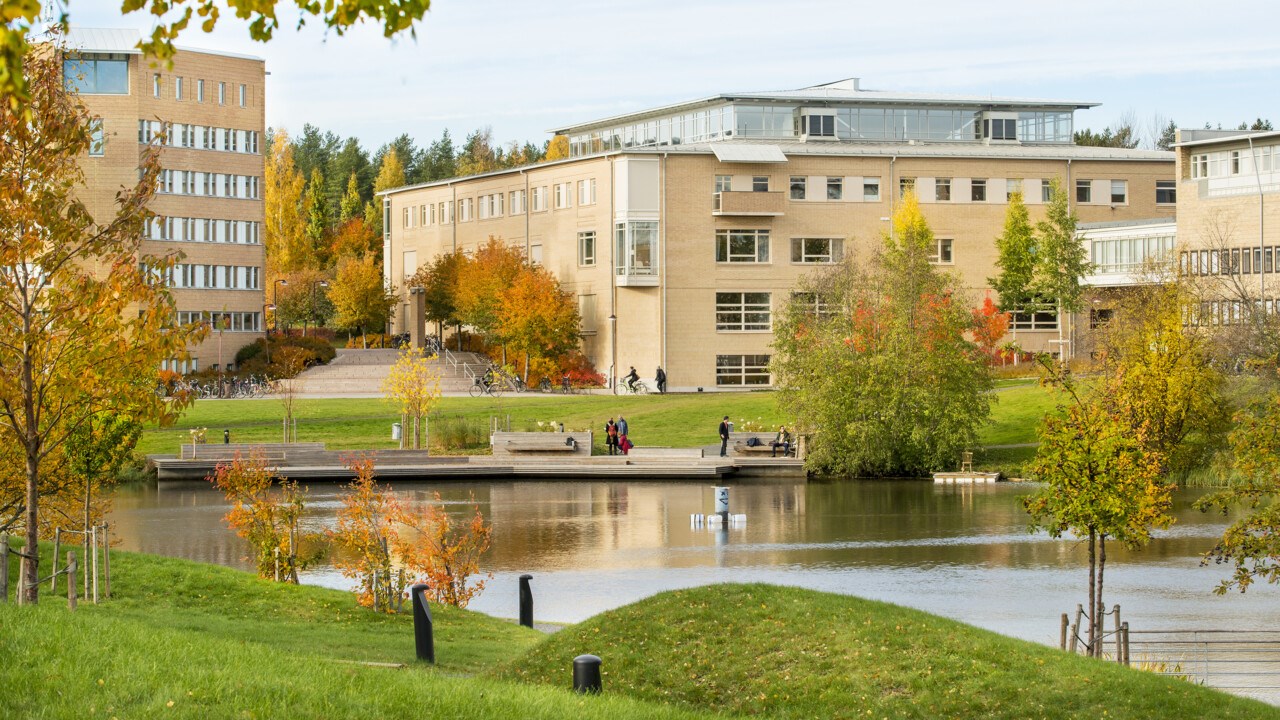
1210 313
200 137
1236 162
214 277
225 185
491 205
1129 254
742 370
1232 261
182 229
196 89
938 189
833 188
229 321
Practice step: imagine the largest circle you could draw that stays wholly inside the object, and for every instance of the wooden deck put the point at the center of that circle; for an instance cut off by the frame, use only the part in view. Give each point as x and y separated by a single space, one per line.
299 462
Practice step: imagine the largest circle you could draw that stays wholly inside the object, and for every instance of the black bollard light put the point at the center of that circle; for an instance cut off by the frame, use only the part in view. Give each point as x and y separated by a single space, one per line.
526 601
586 674
423 635
226 437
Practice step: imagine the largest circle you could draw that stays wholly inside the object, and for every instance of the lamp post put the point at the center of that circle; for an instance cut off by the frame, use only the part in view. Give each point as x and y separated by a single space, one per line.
266 336
275 320
312 310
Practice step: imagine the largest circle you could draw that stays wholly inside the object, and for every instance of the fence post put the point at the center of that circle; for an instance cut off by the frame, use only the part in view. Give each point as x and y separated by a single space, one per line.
106 557
71 583
57 547
4 568
1062 634
275 553
1124 631
1119 638
1075 628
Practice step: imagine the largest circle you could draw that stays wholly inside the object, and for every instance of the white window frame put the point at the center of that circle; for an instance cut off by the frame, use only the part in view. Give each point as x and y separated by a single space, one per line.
943 252
587 248
801 255
725 254
735 314
740 370
871 189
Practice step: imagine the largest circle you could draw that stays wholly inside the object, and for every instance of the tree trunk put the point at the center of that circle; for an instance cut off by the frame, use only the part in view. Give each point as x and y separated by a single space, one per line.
29 579
1098 613
1093 605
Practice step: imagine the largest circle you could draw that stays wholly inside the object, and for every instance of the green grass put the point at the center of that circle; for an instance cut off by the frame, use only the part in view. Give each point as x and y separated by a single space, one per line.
677 420
186 640
770 651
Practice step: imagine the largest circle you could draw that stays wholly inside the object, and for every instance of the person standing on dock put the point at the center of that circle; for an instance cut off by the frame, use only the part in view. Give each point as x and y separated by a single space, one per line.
724 437
623 442
611 436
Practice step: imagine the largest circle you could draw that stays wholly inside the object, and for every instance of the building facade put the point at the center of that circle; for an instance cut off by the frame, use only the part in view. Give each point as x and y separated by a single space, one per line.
207 114
682 230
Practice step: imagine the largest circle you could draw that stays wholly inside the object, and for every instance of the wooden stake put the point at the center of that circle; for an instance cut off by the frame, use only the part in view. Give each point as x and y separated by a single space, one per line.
57 547
1119 638
71 583
94 562
4 568
1062 642
106 557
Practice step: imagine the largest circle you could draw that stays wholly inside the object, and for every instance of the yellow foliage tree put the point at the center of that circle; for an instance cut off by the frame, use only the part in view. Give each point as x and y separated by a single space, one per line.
360 301
557 149
267 519
448 555
414 385
365 531
284 211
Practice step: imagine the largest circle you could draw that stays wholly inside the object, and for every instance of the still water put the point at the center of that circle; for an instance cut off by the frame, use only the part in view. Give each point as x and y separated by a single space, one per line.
959 551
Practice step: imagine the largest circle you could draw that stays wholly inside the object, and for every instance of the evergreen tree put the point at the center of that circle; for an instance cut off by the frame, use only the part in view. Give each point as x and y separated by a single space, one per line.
439 161
318 221
1016 259
351 159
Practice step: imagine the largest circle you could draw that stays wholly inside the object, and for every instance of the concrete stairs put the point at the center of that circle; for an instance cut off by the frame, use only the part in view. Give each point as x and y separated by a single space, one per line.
361 373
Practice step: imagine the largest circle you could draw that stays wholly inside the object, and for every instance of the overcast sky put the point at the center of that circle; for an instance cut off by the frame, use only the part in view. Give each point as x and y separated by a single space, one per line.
523 68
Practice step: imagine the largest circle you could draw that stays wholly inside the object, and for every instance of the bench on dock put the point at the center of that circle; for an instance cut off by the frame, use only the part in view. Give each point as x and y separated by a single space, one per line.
741 448
526 444
738 442
273 452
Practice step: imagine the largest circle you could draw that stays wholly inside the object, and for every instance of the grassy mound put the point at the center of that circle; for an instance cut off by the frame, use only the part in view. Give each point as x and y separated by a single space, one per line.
785 652
186 640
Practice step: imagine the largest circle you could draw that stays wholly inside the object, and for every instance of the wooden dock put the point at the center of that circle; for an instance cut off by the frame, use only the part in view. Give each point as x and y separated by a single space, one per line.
310 461
967 477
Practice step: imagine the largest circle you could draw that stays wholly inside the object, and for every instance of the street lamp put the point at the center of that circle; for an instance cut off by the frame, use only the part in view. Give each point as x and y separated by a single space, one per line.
266 336
275 320
312 313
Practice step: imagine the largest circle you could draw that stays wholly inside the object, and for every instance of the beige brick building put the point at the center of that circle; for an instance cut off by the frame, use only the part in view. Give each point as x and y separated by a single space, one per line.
683 229
209 107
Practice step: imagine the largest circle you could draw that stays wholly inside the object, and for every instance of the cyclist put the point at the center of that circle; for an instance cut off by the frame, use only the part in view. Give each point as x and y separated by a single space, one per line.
488 378
632 378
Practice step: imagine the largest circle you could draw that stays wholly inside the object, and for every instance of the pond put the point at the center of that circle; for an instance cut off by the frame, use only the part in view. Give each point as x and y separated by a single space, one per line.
959 551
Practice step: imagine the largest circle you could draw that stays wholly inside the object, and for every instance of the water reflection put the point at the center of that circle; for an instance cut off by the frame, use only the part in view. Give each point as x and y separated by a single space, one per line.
960 551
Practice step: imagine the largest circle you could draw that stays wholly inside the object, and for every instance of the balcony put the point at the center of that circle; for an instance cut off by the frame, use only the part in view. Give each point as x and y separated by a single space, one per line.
747 204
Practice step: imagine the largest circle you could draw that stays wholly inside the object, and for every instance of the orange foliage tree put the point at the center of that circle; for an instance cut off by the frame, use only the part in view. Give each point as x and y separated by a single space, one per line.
448 555
536 318
366 529
268 520
989 326
480 283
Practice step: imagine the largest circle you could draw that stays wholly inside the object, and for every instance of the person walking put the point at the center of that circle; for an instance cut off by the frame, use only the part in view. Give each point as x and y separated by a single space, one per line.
724 437
623 442
660 378
611 436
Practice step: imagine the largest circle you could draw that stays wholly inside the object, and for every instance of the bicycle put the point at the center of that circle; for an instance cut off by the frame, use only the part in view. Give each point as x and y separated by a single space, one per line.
545 385
480 387
623 389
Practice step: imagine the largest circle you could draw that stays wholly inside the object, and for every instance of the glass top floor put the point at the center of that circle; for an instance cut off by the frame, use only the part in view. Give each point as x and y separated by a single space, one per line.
860 123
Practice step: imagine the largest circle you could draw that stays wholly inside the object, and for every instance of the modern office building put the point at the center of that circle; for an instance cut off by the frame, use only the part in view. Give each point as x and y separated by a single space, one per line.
683 229
209 109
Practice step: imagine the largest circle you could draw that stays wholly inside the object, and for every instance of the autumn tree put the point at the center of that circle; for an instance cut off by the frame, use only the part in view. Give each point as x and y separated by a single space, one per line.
351 205
439 283
413 384
989 325
536 318
390 175
1101 480
304 301
481 281
871 357
446 554
86 319
478 154
284 210
360 301
364 533
266 511
557 149
353 239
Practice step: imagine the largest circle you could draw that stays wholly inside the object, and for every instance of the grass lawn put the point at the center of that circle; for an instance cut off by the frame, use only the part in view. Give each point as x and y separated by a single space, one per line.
187 640
770 651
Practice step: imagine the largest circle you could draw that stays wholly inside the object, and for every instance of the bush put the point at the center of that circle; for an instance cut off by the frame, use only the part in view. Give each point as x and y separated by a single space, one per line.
290 354
457 433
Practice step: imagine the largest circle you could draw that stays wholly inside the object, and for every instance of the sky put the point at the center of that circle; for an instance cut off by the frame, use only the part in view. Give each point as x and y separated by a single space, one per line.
523 68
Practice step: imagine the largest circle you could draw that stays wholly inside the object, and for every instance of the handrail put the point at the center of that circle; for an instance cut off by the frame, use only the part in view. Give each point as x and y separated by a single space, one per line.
449 358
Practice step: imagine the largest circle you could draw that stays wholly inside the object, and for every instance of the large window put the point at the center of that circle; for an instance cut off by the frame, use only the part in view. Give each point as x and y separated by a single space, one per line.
835 188
636 245
1114 255
942 190
741 370
1166 192
760 183
814 304
96 74
1047 320
587 248
742 246
1000 129
978 190
820 125
817 250
742 311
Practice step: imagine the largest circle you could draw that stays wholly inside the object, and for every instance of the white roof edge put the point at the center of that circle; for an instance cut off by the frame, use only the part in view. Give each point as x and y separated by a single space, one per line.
494 173
1243 135
125 41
